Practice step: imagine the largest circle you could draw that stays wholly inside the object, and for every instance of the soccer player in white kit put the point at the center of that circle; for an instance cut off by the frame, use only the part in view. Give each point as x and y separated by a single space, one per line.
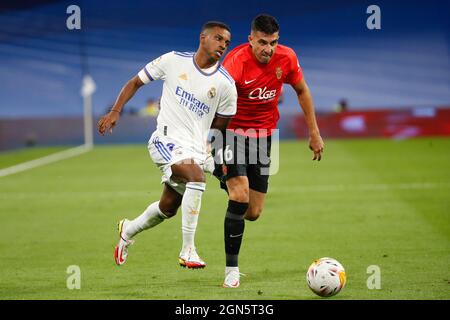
198 95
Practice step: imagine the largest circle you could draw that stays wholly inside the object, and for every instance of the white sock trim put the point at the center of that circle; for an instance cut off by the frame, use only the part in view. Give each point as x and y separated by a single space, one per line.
229 269
162 214
200 186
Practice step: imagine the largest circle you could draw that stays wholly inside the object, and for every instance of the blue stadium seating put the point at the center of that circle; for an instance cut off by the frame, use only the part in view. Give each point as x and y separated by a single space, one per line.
406 63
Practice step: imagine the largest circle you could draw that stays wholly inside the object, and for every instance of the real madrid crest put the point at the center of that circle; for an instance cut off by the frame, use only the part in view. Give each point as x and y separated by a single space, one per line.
212 93
279 73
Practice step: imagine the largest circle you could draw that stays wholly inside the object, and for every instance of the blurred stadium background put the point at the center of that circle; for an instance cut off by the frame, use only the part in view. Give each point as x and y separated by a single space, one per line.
395 82
370 201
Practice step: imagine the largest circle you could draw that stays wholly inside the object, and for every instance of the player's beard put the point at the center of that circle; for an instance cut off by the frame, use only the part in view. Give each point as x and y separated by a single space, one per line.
213 57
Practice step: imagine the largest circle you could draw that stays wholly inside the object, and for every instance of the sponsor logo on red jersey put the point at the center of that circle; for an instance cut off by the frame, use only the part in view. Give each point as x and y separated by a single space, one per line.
262 94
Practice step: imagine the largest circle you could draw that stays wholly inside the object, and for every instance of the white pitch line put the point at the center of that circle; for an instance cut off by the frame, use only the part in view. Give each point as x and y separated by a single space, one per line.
45 160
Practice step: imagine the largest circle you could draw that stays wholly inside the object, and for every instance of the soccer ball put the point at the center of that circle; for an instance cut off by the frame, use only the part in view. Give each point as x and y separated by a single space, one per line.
326 277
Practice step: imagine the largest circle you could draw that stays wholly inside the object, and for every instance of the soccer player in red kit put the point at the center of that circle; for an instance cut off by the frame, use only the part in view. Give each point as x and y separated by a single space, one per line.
259 69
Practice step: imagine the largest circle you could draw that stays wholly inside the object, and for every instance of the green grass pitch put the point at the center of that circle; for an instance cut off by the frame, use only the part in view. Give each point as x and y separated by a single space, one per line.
368 202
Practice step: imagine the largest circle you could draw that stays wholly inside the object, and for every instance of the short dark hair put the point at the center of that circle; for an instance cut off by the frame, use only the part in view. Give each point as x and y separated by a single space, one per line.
265 23
213 24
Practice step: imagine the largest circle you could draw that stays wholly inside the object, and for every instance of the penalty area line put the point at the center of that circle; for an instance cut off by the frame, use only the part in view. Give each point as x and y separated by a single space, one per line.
58 156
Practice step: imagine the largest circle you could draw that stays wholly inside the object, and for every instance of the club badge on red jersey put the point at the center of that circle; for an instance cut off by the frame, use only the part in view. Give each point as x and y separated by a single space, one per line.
279 73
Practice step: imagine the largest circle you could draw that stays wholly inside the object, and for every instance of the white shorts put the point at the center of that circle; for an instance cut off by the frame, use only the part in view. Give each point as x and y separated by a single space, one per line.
165 152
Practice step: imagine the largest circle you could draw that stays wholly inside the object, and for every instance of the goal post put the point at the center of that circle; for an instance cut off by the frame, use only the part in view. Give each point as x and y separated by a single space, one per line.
88 87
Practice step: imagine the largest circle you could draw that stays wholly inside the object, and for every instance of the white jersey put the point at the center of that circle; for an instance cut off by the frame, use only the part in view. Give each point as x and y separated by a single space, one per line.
191 98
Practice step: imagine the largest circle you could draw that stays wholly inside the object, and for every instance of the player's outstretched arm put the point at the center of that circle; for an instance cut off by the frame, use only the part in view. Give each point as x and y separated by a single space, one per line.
108 121
306 102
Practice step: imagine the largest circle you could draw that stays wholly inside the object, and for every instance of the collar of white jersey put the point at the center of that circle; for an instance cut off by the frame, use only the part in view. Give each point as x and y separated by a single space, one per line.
201 71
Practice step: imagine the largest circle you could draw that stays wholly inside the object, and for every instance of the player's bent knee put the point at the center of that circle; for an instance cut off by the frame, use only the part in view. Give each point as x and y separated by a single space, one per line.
197 177
194 174
239 194
250 217
187 173
238 189
253 213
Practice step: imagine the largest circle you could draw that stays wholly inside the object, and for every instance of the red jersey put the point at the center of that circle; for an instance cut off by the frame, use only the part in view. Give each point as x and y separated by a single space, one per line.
259 85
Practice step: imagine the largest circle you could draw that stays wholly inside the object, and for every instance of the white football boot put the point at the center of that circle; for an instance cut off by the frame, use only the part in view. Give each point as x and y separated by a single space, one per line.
121 250
232 277
189 258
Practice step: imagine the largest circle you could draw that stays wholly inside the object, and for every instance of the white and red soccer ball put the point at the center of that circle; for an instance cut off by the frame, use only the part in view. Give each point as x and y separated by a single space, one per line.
326 277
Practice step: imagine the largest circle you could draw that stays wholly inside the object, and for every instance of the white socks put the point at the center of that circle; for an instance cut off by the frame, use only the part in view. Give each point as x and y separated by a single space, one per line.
151 217
190 209
230 269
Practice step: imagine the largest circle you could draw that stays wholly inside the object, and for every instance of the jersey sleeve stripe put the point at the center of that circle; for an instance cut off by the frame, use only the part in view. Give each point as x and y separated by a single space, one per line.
148 74
184 54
